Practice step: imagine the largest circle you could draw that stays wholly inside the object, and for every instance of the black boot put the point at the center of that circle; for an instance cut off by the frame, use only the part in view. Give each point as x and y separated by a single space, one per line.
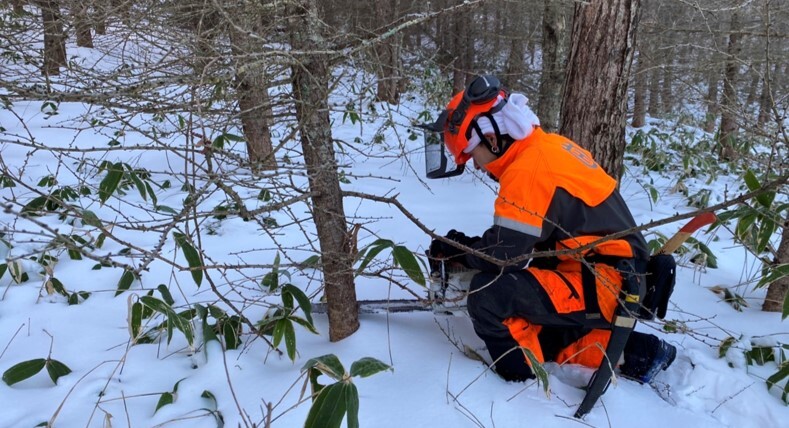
646 356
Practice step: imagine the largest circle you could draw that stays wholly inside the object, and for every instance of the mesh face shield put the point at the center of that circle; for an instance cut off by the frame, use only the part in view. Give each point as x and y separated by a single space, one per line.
438 164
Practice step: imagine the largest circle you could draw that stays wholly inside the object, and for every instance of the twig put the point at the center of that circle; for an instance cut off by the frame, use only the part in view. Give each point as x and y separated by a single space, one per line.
11 340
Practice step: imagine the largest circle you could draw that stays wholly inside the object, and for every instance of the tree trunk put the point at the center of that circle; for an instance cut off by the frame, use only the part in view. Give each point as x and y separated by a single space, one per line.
640 93
712 100
595 98
54 38
388 62
653 108
765 99
753 87
252 88
101 10
310 91
776 291
554 36
729 127
666 95
82 26
18 6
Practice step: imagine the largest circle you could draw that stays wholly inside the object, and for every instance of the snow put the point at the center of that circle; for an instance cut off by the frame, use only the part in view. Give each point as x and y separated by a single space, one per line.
432 383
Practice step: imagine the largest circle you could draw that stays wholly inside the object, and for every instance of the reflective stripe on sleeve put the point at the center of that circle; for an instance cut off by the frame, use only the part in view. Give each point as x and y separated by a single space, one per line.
517 226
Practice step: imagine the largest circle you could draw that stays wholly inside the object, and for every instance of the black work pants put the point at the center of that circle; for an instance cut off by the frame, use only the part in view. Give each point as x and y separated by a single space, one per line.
496 297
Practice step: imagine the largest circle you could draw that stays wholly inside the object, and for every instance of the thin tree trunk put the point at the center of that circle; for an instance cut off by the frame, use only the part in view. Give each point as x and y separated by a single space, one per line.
310 90
640 93
18 6
82 26
594 106
712 100
666 93
99 17
252 88
653 108
765 100
776 291
54 38
388 62
729 126
753 87
554 36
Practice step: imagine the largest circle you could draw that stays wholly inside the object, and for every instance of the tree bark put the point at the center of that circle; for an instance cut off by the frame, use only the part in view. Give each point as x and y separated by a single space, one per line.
712 100
82 25
54 38
554 36
765 99
388 62
729 126
776 291
310 91
594 105
640 93
251 86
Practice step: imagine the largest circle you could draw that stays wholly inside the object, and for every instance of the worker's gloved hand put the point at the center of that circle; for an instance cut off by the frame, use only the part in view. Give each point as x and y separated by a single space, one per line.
443 250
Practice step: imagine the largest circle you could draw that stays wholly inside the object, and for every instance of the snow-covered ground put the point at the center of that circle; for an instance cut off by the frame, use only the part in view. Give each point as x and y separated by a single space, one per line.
432 384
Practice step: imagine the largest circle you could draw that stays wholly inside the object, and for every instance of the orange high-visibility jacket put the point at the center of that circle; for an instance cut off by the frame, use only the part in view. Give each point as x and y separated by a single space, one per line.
554 196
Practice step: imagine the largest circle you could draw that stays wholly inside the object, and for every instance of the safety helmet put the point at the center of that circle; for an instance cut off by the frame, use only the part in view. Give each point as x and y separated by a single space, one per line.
464 108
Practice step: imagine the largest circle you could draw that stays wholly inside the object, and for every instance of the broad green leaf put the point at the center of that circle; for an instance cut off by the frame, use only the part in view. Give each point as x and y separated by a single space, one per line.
271 279
154 199
304 323
192 257
165 292
776 273
368 366
287 302
165 209
352 405
56 369
327 364
725 345
210 396
290 340
766 199
35 205
782 373
230 329
138 183
23 370
766 231
311 262
751 181
57 286
110 182
405 258
328 409
125 282
165 399
3 268
744 226
785 312
173 319
91 219
304 301
374 248
279 331
17 271
135 320
538 370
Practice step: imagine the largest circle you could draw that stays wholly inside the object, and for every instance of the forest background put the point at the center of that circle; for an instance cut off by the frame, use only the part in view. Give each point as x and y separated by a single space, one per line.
134 133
